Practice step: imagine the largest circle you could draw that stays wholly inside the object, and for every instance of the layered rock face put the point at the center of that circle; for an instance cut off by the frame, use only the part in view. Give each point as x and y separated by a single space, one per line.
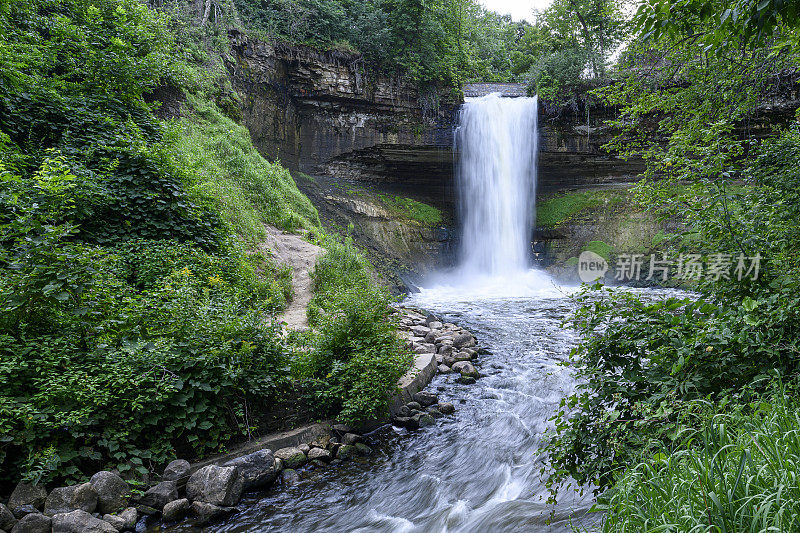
325 112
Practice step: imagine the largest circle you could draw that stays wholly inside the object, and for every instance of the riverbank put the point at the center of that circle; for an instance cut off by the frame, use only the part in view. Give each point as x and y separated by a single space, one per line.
209 490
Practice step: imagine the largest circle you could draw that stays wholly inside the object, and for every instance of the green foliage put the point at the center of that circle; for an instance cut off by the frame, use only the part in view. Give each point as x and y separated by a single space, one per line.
555 210
221 166
356 358
734 474
721 24
112 357
423 213
645 364
73 97
600 248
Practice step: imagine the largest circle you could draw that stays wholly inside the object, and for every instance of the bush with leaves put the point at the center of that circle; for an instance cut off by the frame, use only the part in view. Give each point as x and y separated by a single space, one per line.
355 358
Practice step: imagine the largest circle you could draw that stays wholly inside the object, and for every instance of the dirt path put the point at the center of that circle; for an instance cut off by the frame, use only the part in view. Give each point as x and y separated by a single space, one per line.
292 250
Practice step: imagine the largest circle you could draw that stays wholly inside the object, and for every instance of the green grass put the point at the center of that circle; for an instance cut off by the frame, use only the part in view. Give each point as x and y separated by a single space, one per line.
551 212
423 213
228 171
738 474
602 249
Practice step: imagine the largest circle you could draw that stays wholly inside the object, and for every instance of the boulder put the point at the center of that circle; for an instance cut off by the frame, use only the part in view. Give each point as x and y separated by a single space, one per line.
130 515
424 348
64 500
305 448
207 512
449 360
401 421
7 519
403 410
257 469
145 510
27 494
443 369
346 451
424 398
218 485
351 438
462 356
290 477
33 523
80 522
446 350
463 340
292 457
414 406
465 369
177 469
319 454
22 510
175 510
423 419
341 429
160 495
430 338
435 324
363 449
116 522
112 491
433 411
420 331
447 408
466 380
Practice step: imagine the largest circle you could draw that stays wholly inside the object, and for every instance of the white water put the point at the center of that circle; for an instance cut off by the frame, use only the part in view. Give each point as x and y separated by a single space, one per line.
497 139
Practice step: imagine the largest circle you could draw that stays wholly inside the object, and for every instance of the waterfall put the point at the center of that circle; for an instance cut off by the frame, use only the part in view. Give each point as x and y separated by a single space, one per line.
497 141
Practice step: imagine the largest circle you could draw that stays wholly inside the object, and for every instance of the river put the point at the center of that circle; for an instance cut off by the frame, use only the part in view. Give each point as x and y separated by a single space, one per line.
475 471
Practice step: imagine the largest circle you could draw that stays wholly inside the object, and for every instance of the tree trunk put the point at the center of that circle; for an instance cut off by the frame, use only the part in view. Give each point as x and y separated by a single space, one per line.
206 13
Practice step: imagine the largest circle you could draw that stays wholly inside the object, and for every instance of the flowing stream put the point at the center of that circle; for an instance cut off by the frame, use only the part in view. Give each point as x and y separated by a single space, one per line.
478 470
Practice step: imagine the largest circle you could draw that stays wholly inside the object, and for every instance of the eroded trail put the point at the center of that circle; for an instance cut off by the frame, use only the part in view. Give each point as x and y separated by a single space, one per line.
300 255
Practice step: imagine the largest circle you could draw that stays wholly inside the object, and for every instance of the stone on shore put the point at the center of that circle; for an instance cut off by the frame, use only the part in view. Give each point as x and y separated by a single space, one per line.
177 469
160 495
424 348
176 510
217 485
346 451
465 369
112 491
319 454
207 512
463 340
7 519
33 523
27 494
62 500
292 457
80 522
444 369
420 331
424 398
447 408
257 469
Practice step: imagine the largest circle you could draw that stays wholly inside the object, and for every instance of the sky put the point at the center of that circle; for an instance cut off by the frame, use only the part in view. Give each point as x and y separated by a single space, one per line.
519 9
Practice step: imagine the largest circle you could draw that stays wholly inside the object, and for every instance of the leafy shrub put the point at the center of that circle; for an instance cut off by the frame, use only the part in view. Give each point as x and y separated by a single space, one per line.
643 363
355 358
122 357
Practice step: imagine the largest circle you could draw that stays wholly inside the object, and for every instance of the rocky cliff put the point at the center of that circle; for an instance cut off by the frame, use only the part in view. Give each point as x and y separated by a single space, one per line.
313 109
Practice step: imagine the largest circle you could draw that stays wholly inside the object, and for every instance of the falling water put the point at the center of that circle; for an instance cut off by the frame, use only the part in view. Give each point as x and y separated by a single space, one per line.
497 139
